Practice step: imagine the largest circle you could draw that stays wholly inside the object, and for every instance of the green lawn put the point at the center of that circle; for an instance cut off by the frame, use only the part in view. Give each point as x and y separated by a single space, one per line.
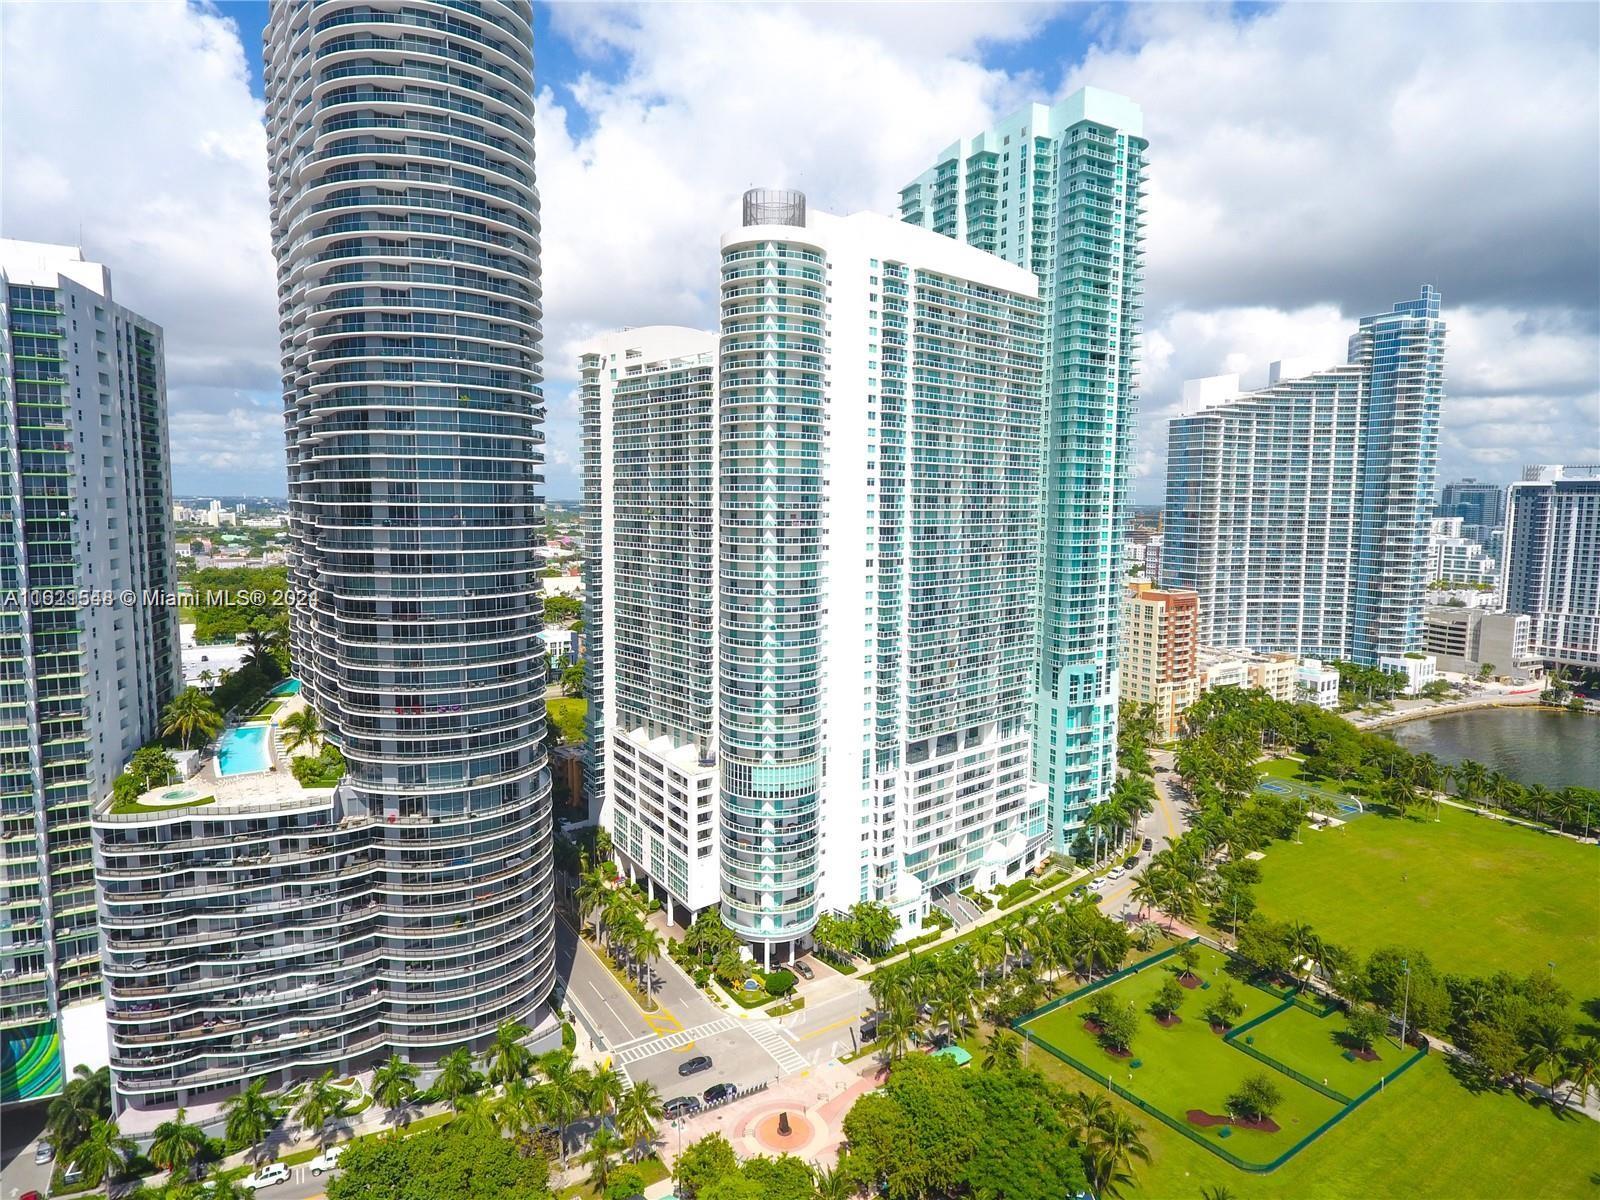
1427 1138
1311 1045
1188 1066
1478 895
567 716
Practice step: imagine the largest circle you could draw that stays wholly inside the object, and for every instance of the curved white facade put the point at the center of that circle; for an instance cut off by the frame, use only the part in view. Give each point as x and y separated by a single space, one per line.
411 909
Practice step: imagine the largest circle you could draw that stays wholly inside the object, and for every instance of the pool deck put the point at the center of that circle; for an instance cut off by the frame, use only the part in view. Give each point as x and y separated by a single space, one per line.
269 788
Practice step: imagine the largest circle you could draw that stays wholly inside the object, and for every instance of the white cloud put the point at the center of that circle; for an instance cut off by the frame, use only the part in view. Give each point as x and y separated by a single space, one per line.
1310 163
130 128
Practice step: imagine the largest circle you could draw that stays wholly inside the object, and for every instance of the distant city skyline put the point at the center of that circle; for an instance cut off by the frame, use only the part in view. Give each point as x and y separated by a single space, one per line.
170 184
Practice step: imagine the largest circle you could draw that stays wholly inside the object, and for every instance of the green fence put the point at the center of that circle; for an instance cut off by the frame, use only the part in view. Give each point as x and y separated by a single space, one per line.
1232 1036
1171 1122
1089 988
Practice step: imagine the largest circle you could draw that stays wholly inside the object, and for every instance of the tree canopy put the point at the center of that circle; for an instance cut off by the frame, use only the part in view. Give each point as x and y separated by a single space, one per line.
448 1163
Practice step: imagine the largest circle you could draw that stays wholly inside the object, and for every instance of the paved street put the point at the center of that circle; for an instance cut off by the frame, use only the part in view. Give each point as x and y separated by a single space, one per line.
745 1050
1162 827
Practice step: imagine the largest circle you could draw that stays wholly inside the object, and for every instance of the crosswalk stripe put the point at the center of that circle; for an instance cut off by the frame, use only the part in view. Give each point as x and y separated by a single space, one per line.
632 1052
790 1061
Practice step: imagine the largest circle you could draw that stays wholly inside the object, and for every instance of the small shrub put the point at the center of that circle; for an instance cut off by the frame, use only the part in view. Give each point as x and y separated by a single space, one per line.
780 983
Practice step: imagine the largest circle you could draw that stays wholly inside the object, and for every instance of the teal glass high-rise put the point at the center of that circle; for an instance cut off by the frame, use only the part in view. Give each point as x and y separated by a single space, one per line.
1058 189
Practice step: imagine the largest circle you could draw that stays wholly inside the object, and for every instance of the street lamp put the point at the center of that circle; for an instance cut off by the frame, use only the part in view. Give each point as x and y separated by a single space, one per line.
1405 1008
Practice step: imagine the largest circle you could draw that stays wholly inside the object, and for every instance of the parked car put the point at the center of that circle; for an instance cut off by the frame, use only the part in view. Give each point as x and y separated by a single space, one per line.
326 1161
700 1062
267 1176
718 1092
73 1174
30 1196
42 1153
1132 862
803 969
1148 846
681 1106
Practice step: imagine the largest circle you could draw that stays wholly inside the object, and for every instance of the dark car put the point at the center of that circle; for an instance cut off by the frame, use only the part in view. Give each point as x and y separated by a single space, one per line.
869 1030
718 1092
1148 845
803 970
681 1106
1131 863
700 1062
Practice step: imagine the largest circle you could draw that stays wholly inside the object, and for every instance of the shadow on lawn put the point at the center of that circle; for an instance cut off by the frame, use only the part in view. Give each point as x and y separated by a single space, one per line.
1476 1080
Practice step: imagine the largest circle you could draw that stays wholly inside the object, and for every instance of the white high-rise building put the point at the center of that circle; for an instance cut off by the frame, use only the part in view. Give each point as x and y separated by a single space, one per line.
879 463
85 509
1552 561
1300 512
1454 558
650 532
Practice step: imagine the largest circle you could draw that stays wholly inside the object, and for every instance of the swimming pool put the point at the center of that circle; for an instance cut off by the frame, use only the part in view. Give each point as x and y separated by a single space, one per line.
288 687
243 750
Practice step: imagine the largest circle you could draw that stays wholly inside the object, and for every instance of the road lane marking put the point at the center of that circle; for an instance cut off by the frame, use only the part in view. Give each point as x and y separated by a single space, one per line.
806 1037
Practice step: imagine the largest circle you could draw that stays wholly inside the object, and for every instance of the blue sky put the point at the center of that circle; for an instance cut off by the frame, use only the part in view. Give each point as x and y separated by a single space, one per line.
1310 163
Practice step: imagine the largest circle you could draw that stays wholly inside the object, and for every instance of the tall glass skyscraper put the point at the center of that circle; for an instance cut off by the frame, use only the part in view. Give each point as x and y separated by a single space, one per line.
406 228
1300 512
1058 190
85 506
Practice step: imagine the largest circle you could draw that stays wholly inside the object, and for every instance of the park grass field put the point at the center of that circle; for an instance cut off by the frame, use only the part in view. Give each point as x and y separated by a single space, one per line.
1311 1045
1426 1138
1189 1067
1476 894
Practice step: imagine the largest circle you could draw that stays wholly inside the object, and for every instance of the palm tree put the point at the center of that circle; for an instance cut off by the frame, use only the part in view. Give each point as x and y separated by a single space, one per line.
988 951
103 1152
394 1085
207 678
896 1029
85 1099
1216 1193
507 1058
833 1183
177 1145
1545 1051
1002 1050
593 888
457 1078
602 1146
1583 1069
191 712
251 1114
604 1092
520 1109
562 1094
637 1116
476 1117
645 946
1304 946
301 728
1085 1111
320 1103
1114 1143
1472 780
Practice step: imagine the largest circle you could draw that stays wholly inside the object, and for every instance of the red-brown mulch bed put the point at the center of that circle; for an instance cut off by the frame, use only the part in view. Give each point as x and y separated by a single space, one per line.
1199 1116
1115 1053
1091 1026
1366 1055
1219 1030
1168 1021
1188 980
